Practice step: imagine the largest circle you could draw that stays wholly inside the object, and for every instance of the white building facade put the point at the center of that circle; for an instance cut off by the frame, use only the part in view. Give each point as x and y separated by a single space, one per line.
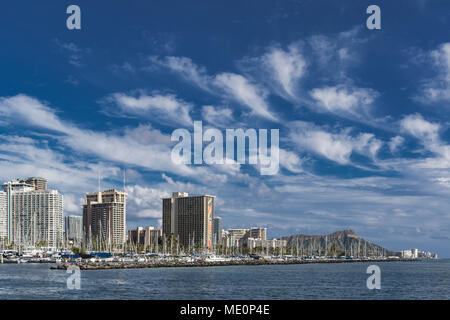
3 216
34 217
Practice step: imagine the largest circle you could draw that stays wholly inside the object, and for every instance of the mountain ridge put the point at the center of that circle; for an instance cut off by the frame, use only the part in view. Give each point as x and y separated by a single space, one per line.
339 243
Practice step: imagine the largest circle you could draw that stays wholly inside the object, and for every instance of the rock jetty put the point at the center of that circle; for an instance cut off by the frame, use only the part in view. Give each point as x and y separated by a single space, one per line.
172 264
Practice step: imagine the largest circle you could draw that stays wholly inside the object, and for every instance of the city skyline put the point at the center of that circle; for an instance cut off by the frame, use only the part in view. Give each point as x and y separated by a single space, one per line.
362 114
188 220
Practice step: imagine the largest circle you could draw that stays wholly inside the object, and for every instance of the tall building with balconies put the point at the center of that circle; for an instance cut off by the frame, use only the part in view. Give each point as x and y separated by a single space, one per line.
104 218
3 216
189 218
34 215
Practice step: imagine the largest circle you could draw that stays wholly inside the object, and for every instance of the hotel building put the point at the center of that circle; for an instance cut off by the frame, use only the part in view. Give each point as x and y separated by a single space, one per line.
189 218
104 217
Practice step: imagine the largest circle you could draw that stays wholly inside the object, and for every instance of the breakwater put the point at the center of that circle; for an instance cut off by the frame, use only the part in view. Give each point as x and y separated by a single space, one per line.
174 264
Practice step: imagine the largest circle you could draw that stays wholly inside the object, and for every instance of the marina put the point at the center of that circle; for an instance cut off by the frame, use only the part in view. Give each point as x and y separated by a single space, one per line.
63 258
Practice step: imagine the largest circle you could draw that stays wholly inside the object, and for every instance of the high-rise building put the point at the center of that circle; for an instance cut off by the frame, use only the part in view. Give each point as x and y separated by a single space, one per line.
73 227
104 217
217 230
189 218
34 215
3 215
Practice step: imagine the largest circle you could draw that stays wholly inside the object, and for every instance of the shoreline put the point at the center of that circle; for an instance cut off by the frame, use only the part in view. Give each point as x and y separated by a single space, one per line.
178 264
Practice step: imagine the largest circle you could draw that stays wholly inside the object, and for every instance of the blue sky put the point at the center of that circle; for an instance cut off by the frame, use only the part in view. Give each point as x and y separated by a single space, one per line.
363 114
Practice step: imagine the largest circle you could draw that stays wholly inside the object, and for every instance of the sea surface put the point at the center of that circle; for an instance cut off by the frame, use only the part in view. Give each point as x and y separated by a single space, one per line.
399 280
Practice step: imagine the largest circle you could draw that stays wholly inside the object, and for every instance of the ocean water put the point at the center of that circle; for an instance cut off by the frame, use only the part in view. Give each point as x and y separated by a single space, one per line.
399 280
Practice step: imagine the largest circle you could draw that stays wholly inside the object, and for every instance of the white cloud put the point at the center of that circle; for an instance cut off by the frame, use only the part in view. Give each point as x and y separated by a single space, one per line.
188 70
343 98
163 108
438 88
23 156
32 111
246 93
145 202
230 86
286 67
72 204
219 117
143 146
428 134
420 128
395 143
337 147
290 161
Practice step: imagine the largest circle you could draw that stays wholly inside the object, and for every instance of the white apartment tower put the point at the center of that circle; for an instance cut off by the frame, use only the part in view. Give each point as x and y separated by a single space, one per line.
34 216
3 216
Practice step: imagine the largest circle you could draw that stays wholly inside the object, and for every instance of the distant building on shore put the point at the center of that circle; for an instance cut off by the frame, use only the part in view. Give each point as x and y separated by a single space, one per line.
240 237
270 244
189 218
234 237
73 227
136 236
258 233
34 214
148 237
152 236
104 218
416 253
217 230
